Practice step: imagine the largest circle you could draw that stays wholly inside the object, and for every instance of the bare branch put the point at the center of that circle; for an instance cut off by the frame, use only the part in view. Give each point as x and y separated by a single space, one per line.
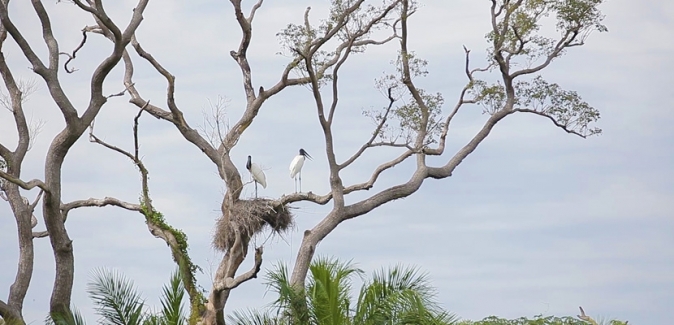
38 65
369 143
37 199
253 11
92 202
24 185
121 93
240 54
380 169
460 102
407 81
296 197
74 52
40 234
231 283
95 139
561 126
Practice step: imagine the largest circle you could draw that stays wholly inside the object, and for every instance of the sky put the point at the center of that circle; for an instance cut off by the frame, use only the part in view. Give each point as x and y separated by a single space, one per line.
535 221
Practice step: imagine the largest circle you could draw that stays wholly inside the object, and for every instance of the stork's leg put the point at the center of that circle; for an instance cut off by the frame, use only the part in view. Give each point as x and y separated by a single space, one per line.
300 181
255 188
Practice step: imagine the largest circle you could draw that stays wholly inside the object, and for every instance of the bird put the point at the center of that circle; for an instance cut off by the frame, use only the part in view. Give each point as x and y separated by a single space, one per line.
257 174
296 167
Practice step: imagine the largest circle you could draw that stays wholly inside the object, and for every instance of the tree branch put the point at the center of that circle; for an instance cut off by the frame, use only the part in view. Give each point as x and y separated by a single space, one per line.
24 185
561 126
563 43
92 202
231 283
74 52
440 149
369 143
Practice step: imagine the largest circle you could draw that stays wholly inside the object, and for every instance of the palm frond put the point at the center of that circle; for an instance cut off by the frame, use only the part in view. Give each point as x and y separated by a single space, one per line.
153 319
328 290
400 295
291 304
73 317
116 299
252 317
173 312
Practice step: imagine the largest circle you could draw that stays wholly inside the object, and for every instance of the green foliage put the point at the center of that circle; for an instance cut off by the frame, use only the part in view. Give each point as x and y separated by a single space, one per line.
347 21
116 299
395 296
328 290
408 117
186 267
399 295
491 97
172 311
118 303
74 317
519 24
254 317
537 320
565 107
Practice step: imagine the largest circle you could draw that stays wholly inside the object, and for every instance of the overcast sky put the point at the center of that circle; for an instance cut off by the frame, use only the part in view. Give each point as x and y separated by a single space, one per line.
535 221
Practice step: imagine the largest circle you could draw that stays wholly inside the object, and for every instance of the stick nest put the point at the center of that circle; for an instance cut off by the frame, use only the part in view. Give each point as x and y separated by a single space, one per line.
248 218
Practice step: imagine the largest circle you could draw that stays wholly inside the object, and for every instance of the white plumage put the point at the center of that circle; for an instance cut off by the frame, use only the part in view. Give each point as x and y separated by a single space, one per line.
257 174
296 167
33 220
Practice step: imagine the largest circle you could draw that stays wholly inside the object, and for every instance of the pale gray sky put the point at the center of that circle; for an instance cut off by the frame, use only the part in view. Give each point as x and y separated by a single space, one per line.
534 221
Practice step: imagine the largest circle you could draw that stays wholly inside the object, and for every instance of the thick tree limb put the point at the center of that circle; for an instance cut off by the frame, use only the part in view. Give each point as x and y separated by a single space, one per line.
231 283
93 202
24 185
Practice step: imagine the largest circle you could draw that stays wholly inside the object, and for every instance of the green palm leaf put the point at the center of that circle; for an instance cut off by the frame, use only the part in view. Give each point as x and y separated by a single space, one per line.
74 317
291 304
115 299
173 312
400 295
328 290
397 296
253 317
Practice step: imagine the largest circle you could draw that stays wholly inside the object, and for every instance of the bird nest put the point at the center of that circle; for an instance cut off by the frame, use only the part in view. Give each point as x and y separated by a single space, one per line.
248 218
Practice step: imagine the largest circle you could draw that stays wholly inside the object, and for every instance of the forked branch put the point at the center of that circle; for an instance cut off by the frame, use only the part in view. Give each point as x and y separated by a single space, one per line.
231 283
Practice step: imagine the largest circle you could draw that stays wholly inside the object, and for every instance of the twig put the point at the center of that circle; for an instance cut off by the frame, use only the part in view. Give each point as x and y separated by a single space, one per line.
74 53
121 93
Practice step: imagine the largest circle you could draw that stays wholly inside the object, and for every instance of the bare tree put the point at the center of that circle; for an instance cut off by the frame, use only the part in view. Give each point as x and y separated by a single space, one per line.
412 121
77 122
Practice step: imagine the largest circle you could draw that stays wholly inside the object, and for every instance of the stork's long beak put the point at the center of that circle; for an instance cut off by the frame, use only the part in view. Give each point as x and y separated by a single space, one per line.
306 154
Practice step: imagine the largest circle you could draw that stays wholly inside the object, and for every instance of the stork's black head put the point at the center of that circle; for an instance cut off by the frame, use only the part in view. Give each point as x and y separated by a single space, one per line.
305 154
249 163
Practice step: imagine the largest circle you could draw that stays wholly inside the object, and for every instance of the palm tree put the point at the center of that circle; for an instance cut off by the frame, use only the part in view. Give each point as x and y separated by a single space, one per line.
118 303
397 296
